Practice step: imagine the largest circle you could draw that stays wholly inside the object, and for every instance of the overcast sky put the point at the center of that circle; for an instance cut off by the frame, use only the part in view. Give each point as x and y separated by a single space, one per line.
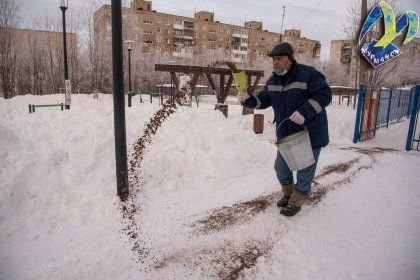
320 20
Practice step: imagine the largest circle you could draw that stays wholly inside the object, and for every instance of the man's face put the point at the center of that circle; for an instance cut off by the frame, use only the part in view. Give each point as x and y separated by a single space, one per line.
280 63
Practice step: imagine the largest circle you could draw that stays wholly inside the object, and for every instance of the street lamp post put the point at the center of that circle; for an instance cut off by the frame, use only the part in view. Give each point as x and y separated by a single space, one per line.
129 47
119 106
63 6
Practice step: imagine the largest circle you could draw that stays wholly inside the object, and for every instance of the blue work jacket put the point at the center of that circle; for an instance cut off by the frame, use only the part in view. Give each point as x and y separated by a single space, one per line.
302 89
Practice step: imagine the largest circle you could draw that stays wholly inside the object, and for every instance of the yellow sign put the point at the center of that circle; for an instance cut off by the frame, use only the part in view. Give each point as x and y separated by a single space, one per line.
241 81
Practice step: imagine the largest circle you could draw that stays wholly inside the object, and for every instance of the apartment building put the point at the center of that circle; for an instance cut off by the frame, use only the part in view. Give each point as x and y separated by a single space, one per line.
34 60
41 39
181 36
341 51
303 46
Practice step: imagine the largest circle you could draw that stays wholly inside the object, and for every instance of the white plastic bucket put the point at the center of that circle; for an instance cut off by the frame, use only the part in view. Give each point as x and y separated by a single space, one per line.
296 149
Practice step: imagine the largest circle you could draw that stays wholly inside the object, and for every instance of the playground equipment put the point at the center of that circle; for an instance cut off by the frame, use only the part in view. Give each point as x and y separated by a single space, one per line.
130 95
33 106
220 91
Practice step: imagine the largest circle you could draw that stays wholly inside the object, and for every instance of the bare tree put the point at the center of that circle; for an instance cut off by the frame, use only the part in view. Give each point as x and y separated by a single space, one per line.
52 51
8 19
405 71
90 51
308 59
335 74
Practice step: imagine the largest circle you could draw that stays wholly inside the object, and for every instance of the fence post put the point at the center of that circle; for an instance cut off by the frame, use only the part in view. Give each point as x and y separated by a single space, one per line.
129 99
414 110
30 110
362 91
410 100
389 108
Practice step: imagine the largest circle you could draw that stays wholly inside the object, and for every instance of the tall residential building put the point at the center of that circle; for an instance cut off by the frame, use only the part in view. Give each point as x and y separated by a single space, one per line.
181 36
29 38
34 60
341 52
303 46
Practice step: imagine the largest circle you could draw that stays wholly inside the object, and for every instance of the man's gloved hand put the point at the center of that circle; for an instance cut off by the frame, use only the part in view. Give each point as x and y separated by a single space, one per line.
297 118
242 96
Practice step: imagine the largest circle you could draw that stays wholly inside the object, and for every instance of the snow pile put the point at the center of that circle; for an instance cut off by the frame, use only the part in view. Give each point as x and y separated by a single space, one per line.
205 200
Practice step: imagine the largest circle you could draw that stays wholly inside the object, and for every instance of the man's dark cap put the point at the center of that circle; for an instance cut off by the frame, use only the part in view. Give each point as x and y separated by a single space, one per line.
282 49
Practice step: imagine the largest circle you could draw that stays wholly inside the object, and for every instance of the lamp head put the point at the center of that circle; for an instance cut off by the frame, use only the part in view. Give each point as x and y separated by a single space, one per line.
64 4
129 44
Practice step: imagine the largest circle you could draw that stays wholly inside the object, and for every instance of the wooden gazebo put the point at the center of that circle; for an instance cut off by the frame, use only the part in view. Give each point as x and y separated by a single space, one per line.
221 91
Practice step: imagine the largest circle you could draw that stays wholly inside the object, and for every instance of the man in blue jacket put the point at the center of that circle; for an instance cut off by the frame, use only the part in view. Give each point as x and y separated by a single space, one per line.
300 93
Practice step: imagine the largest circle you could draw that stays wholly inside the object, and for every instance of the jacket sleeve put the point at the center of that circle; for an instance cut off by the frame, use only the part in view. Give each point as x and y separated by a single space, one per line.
320 93
259 101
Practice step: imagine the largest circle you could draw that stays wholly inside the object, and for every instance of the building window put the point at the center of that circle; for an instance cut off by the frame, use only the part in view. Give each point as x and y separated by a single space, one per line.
146 21
189 33
158 29
147 32
188 24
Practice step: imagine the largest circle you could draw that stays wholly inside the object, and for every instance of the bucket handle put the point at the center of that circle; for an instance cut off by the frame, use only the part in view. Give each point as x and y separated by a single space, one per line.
283 122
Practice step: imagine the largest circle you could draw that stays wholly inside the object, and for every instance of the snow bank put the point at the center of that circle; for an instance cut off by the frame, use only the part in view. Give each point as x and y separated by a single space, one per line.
60 217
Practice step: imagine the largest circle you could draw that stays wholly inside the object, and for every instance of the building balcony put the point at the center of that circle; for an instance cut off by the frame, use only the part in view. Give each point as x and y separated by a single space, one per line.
180 36
238 59
183 52
239 52
188 25
178 26
239 35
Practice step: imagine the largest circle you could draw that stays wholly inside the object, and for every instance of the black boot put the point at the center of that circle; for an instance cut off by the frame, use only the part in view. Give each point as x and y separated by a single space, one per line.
284 201
290 210
287 194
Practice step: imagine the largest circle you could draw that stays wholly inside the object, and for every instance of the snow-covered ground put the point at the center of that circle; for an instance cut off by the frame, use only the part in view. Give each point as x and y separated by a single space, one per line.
205 199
